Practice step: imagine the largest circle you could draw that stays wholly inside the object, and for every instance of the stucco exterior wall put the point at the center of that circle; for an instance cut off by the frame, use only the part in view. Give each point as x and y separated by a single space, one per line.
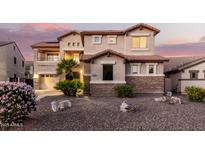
90 48
200 67
76 38
150 42
197 82
8 68
123 45
118 68
185 83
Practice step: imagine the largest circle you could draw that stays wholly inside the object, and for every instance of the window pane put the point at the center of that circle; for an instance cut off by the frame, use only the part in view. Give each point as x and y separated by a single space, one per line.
143 42
97 39
112 40
52 57
135 42
135 69
151 69
76 57
107 72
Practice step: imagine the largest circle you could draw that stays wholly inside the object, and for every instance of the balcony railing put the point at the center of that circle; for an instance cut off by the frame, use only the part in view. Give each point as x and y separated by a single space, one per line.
56 59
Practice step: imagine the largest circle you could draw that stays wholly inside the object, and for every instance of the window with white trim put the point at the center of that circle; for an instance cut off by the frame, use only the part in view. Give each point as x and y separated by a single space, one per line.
111 39
135 69
151 68
97 39
139 42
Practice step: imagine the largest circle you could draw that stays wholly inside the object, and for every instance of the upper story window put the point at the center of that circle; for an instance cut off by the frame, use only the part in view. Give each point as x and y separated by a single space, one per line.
14 47
78 44
14 60
73 44
97 39
111 39
52 57
68 43
193 74
139 42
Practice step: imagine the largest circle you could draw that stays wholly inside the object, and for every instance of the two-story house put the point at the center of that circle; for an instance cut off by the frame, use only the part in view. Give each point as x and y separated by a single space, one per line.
12 62
112 57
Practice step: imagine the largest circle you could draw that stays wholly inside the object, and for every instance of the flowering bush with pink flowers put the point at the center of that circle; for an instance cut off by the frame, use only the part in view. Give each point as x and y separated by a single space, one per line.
17 100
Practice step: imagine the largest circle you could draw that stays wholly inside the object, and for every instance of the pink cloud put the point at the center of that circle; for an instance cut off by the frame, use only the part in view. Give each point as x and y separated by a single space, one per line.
179 40
47 26
28 34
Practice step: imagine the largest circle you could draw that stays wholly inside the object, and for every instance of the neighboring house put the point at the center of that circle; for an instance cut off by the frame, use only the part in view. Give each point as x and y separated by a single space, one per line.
12 62
184 71
109 58
29 68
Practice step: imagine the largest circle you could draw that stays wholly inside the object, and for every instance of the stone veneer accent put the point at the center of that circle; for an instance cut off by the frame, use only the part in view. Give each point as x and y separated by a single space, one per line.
146 84
102 89
86 80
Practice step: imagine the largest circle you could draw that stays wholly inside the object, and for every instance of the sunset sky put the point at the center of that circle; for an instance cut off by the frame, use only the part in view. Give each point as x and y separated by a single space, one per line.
173 40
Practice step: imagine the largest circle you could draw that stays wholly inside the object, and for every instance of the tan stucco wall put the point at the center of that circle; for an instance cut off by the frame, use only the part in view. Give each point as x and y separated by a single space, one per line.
123 45
186 75
70 38
8 68
90 48
118 68
200 67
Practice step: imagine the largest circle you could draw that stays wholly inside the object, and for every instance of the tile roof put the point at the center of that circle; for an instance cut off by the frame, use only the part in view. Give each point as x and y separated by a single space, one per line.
120 32
46 45
68 33
134 58
177 63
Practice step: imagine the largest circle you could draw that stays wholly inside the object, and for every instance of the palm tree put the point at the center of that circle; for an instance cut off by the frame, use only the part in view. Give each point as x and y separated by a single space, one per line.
65 66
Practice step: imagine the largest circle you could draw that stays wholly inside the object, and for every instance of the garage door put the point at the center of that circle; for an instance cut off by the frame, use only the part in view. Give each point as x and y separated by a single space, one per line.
48 81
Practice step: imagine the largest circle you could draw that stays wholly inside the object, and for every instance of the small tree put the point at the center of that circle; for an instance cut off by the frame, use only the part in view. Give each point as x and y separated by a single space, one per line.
65 66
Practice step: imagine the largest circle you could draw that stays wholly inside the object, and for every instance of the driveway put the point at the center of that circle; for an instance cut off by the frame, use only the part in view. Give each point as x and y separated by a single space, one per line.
102 113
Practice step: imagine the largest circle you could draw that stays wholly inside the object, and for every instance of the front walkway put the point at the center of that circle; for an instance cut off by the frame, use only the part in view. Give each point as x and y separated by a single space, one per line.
102 113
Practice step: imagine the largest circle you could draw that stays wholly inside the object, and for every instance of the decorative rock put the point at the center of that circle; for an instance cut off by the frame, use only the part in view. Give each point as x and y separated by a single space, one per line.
60 106
54 106
169 94
169 100
125 107
160 99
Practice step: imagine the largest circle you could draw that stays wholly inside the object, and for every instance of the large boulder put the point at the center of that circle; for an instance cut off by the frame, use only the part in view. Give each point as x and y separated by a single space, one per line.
60 105
125 107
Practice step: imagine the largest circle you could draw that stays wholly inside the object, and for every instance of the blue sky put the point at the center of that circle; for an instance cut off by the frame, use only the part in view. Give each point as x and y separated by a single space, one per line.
175 39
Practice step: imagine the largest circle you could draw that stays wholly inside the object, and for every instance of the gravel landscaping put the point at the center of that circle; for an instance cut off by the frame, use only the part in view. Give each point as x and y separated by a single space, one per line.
102 113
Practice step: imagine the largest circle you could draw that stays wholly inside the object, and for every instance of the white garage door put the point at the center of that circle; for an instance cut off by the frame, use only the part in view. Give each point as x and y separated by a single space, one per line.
48 81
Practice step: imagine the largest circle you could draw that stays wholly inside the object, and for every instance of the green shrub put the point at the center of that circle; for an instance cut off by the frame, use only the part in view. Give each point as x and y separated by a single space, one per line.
195 93
69 87
124 91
